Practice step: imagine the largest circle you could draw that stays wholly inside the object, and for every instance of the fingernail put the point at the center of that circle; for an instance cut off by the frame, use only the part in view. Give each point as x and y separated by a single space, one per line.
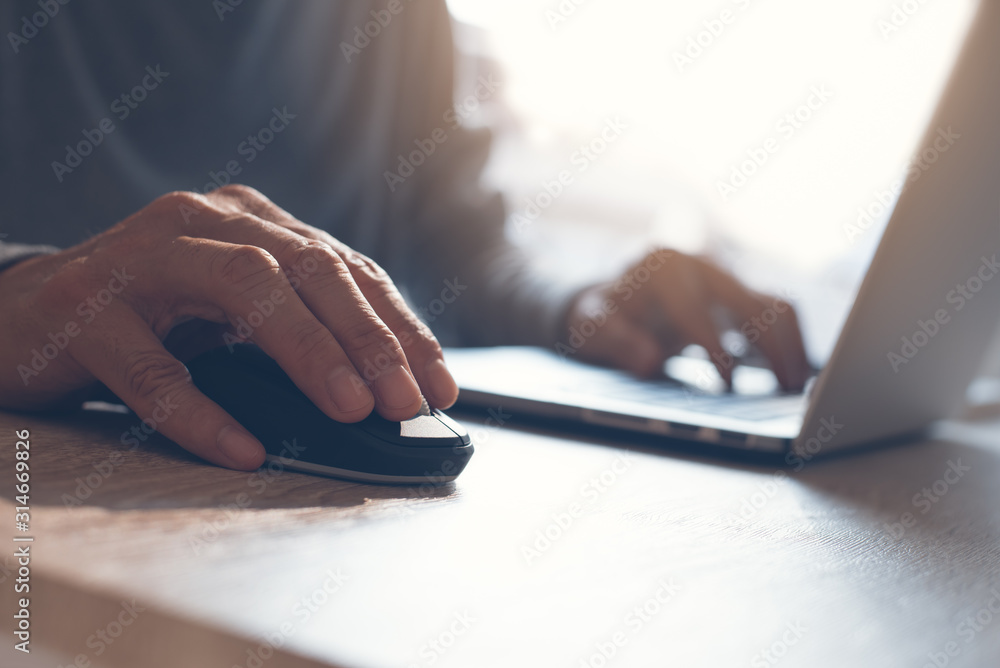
442 384
396 388
241 448
347 391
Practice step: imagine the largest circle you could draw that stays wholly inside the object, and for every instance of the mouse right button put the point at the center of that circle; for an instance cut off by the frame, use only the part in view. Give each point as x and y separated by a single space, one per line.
459 430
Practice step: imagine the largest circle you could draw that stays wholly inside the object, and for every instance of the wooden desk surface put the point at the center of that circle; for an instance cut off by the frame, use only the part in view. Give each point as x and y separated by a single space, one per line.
664 561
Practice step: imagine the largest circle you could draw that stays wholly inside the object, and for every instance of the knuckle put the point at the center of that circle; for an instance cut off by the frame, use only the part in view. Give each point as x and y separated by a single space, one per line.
368 271
382 293
309 337
149 375
367 333
429 345
241 192
324 267
243 219
420 329
411 330
244 267
177 199
302 251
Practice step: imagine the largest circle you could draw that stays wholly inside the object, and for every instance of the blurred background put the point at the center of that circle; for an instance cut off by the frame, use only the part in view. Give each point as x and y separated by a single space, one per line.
841 94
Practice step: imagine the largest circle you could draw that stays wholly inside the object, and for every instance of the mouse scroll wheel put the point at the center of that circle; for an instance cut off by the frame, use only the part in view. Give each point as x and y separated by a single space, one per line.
425 408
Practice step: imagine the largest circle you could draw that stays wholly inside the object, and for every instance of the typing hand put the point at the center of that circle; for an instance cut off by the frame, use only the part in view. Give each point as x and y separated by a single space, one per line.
664 303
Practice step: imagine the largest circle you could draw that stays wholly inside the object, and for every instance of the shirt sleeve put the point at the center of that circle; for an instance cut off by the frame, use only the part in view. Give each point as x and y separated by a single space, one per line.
11 254
468 282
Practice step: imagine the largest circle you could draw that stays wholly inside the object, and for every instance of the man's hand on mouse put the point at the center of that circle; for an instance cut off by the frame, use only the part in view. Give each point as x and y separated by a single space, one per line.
664 303
328 315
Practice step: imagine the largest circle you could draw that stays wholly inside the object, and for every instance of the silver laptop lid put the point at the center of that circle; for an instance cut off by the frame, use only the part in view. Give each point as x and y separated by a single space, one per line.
930 302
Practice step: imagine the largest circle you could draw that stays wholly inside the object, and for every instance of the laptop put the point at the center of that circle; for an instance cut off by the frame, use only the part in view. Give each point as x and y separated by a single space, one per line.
912 342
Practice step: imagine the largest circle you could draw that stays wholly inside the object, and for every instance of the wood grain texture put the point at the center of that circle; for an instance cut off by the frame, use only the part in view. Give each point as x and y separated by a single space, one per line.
671 560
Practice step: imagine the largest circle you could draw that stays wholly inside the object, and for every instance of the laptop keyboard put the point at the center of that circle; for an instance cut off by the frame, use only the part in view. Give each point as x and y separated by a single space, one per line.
752 408
692 384
673 393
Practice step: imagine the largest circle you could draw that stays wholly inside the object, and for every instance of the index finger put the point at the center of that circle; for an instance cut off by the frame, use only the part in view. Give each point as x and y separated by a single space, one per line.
685 300
773 320
423 356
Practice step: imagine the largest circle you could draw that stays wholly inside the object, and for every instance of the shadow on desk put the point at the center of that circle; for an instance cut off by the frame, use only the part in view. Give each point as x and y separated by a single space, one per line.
98 470
910 474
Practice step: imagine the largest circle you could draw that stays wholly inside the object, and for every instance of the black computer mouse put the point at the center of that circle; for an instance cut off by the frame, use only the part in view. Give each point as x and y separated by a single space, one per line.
428 448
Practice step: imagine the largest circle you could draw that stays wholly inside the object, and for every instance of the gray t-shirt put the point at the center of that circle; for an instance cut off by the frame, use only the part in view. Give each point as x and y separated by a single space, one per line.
106 105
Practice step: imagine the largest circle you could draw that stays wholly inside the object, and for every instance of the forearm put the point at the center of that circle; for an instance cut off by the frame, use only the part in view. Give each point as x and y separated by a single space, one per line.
496 296
467 281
